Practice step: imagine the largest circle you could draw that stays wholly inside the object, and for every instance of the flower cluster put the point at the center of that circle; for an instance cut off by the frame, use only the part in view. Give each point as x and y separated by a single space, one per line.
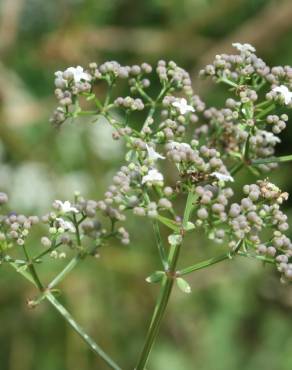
75 226
181 147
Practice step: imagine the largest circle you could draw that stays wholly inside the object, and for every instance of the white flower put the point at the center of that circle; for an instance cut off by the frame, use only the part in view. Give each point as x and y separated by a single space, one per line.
65 207
222 177
66 225
174 145
285 92
244 47
270 137
78 74
153 177
152 154
183 106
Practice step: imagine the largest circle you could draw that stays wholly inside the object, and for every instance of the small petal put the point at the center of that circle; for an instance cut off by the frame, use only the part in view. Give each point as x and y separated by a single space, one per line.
222 177
66 225
174 145
270 137
183 106
285 92
65 207
244 47
78 74
152 154
152 177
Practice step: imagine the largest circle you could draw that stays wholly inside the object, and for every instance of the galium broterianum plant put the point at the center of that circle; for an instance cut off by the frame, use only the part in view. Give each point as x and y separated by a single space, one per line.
181 149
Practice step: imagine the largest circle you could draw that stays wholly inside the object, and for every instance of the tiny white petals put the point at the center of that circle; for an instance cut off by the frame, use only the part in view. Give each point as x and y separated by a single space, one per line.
174 145
222 177
244 47
269 137
152 154
153 177
183 106
285 92
65 207
59 74
78 74
66 225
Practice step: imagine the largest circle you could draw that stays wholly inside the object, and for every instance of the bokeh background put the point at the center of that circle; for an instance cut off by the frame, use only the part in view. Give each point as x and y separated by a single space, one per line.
238 316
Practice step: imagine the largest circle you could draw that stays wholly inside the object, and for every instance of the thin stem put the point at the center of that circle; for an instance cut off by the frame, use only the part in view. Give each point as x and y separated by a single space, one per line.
222 257
76 224
160 246
160 308
108 94
10 259
79 330
165 291
257 257
228 82
246 148
284 158
264 112
68 317
144 94
204 264
189 208
69 267
32 270
236 168
45 252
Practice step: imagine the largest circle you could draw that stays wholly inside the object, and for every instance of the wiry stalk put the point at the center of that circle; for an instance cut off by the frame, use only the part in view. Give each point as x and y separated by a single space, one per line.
165 291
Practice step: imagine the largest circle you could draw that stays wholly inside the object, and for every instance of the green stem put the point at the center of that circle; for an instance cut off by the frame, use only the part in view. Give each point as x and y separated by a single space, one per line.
160 308
69 267
79 330
189 208
16 261
67 317
204 264
160 246
264 112
228 82
284 158
144 94
246 148
236 168
32 270
165 291
45 252
222 257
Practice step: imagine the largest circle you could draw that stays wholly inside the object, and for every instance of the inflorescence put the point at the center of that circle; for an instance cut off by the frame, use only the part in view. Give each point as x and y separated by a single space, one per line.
182 146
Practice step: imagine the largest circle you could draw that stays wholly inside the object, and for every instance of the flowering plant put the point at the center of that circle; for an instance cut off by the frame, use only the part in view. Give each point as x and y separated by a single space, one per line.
205 149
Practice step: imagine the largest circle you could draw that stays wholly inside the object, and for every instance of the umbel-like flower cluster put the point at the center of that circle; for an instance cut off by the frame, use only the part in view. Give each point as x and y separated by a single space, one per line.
69 227
181 147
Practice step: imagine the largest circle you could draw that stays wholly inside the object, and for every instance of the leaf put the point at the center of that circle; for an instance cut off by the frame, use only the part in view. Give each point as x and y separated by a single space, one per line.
156 277
130 156
169 223
90 97
174 239
190 226
183 285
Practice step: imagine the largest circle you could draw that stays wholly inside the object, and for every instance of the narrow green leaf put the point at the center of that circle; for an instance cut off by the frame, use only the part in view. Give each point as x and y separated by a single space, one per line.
156 277
183 285
169 223
90 97
284 158
190 226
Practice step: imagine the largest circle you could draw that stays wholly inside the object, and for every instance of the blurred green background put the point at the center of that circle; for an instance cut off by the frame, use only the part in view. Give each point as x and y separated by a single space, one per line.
238 316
